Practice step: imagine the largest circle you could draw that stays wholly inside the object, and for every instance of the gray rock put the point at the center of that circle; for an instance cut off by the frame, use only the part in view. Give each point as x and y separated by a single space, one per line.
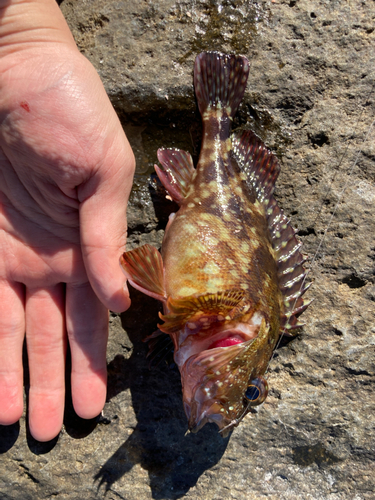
310 97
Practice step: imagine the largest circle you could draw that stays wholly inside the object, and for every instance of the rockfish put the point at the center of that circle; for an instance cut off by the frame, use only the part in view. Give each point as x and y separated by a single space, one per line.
230 274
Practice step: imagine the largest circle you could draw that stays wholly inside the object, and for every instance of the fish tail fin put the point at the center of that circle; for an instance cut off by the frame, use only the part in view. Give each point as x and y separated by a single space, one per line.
220 81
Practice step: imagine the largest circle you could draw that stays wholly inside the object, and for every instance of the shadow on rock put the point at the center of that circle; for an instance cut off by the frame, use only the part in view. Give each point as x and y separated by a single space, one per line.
8 436
159 442
75 426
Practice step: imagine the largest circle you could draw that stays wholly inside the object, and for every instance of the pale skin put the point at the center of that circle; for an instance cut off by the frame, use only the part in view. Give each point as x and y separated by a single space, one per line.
66 170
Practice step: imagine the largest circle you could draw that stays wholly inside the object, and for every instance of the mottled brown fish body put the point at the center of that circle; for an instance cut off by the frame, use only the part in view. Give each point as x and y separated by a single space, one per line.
230 275
219 239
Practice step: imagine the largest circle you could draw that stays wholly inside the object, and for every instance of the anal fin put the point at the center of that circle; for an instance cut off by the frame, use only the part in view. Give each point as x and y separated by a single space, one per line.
144 269
176 173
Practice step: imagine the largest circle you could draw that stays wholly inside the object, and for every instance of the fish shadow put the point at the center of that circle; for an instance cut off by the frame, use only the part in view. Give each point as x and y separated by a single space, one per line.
159 443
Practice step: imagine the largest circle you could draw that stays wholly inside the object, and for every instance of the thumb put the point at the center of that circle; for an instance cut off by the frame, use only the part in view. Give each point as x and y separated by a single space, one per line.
103 227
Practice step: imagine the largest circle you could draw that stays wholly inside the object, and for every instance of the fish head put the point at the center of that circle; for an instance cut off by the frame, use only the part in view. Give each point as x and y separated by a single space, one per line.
221 373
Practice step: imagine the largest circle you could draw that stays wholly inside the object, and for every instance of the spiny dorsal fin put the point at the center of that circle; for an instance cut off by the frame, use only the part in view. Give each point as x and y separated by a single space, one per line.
290 260
144 269
220 81
201 310
259 164
177 172
262 169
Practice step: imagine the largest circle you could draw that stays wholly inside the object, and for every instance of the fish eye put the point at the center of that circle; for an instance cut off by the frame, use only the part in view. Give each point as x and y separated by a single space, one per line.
256 391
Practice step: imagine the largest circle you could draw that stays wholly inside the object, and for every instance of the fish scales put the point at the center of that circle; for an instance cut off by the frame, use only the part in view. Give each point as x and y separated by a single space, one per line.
219 229
230 273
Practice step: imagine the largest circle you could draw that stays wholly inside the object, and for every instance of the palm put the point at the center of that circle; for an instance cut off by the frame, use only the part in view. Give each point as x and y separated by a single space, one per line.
65 176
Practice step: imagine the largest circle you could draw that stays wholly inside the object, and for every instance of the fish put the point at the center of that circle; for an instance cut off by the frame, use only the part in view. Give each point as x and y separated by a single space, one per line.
230 274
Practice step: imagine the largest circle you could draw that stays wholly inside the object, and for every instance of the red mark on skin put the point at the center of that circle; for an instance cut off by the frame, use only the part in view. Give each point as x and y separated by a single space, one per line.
226 342
25 106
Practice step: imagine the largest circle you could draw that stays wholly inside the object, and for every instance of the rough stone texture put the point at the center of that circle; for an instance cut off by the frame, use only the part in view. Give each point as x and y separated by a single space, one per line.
311 98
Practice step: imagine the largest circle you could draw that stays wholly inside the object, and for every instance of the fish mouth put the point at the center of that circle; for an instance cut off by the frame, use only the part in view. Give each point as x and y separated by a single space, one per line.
231 334
215 372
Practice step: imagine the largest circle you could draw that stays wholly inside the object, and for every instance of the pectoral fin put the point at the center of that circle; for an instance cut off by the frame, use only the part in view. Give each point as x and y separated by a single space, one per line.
143 267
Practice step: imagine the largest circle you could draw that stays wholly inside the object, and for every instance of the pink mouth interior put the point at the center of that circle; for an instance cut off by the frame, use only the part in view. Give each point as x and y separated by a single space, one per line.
226 342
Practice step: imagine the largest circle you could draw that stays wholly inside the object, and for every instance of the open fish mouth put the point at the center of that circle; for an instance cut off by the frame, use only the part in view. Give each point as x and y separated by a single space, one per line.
215 379
229 334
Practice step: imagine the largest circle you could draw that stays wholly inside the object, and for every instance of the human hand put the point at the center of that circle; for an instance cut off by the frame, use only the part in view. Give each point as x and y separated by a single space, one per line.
66 170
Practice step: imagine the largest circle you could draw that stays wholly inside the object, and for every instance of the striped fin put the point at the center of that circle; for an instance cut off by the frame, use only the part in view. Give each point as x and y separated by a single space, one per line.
201 310
176 173
259 163
262 169
291 273
144 269
220 81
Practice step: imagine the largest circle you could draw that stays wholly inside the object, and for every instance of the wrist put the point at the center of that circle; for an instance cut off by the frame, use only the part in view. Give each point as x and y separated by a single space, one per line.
28 24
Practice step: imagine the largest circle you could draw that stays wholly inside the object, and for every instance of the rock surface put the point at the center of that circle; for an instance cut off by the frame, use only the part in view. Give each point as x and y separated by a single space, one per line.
310 97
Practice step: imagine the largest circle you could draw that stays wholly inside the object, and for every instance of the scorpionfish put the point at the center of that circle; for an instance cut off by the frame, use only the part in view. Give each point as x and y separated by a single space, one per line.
230 273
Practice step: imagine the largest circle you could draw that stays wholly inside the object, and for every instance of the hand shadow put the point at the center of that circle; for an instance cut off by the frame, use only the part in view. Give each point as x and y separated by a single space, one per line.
160 443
